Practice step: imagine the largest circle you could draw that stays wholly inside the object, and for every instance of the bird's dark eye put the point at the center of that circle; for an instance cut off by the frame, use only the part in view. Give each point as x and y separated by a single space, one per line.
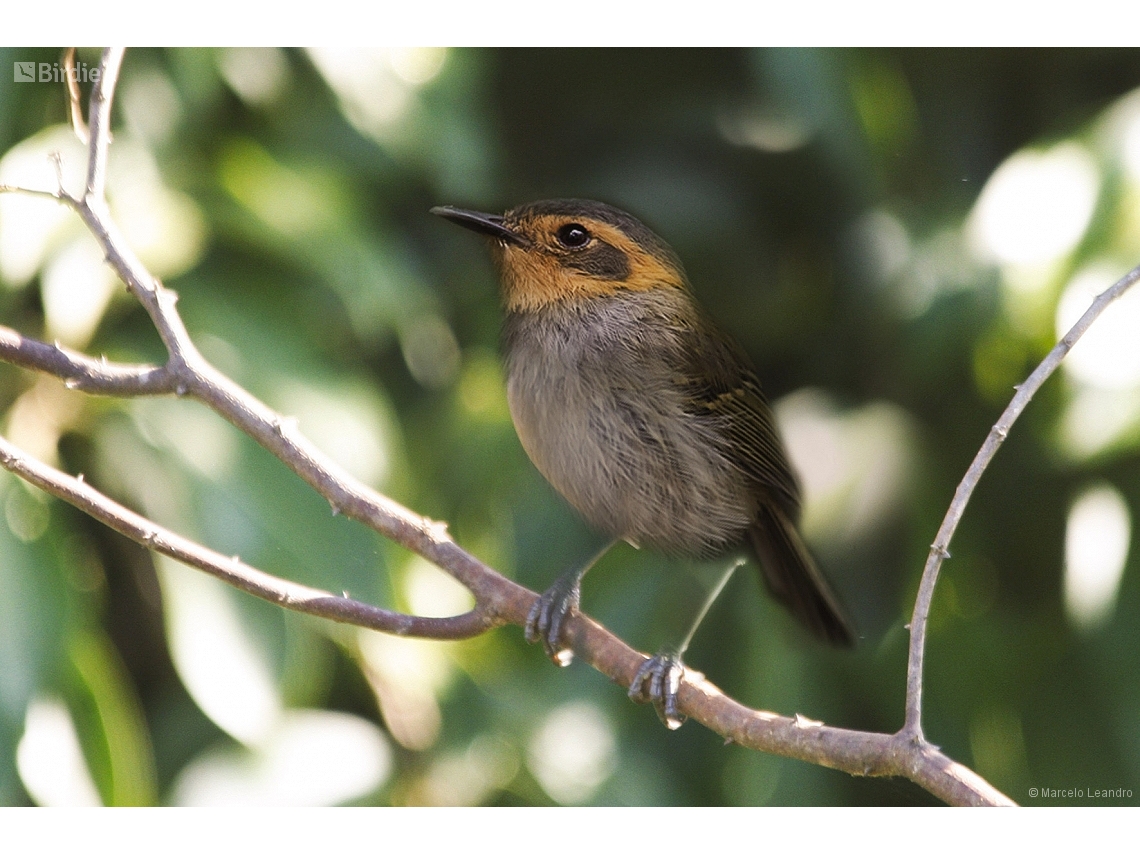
573 235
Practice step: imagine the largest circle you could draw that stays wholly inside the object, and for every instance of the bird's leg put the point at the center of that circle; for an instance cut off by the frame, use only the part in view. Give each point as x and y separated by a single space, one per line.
550 610
658 680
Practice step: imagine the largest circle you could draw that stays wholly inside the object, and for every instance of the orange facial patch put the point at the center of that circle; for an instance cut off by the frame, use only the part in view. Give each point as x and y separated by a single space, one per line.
548 272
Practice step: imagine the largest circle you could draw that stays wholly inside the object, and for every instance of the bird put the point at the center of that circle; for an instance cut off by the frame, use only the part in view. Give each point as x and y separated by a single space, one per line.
643 415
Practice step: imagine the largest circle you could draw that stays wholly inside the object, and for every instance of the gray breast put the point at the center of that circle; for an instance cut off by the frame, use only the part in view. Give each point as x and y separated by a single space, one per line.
598 406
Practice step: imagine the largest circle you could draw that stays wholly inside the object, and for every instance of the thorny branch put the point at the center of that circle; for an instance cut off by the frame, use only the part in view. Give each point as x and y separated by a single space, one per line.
940 549
498 600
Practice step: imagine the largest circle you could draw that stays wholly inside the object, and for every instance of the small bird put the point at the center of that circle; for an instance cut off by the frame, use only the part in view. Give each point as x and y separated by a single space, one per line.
647 419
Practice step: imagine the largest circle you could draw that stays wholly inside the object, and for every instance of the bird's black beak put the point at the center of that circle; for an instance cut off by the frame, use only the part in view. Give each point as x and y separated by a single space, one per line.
486 224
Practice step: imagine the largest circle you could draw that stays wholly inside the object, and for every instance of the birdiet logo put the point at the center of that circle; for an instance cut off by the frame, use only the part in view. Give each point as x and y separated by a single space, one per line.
53 72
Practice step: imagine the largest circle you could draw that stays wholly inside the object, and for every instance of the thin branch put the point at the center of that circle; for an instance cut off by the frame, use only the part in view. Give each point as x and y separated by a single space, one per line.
862 753
74 108
81 372
54 195
940 549
231 569
100 122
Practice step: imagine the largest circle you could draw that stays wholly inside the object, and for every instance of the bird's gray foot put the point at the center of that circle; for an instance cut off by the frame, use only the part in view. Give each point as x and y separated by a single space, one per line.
548 615
657 682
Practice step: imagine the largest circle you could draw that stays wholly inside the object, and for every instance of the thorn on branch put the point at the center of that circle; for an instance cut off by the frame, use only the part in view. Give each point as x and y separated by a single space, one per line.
436 529
283 425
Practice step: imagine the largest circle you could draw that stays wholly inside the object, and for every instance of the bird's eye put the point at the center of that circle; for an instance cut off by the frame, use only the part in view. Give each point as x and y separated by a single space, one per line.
573 235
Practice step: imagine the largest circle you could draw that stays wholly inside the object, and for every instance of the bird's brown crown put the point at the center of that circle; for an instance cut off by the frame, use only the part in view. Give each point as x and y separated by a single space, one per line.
572 249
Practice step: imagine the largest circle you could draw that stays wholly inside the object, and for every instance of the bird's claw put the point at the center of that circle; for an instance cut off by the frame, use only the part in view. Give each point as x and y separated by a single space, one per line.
547 617
657 681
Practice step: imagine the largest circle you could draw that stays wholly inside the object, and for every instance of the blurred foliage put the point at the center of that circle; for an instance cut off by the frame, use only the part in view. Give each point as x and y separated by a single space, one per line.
842 213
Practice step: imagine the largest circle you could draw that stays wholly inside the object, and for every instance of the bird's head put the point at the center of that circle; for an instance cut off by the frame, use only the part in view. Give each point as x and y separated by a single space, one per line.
571 249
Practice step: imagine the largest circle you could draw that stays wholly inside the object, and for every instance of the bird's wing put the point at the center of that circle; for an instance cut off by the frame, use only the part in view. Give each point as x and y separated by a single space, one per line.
722 385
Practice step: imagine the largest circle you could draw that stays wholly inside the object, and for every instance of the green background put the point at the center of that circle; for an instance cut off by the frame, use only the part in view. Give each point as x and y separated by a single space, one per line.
821 201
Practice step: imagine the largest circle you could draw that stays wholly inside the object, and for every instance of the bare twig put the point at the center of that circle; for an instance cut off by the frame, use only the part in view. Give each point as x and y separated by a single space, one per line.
940 549
75 108
100 123
77 371
54 195
231 569
856 752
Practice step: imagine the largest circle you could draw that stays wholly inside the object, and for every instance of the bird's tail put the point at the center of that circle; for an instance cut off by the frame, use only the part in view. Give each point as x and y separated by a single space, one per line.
795 581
